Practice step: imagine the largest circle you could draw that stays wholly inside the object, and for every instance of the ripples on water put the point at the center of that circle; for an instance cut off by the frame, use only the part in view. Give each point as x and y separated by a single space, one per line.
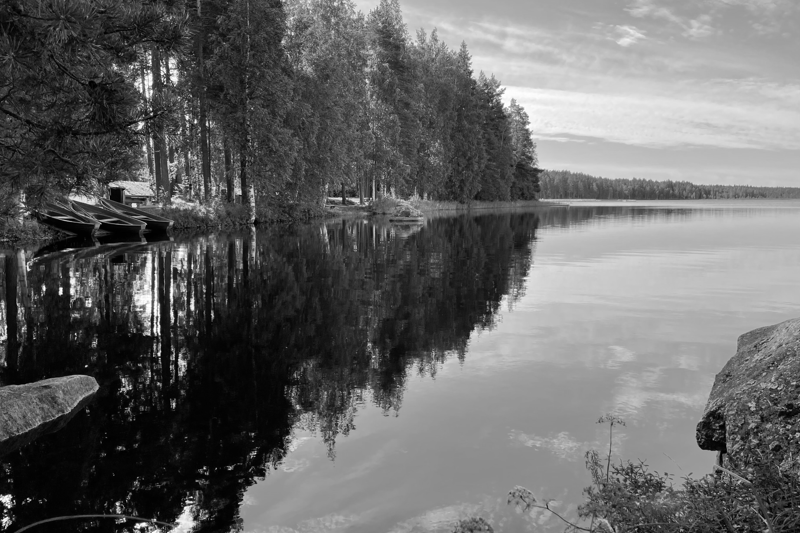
362 377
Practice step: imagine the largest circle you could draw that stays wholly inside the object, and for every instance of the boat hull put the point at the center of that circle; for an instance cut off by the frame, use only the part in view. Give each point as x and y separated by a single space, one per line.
153 222
65 219
110 221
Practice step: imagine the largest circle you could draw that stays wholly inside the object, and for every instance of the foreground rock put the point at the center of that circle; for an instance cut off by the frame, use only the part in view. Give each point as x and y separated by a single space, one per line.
754 408
29 411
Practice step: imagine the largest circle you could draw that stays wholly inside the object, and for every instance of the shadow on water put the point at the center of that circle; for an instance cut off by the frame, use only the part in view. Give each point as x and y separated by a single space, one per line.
210 350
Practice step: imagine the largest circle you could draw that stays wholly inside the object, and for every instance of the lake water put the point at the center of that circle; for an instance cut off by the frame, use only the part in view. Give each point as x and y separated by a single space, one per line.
362 377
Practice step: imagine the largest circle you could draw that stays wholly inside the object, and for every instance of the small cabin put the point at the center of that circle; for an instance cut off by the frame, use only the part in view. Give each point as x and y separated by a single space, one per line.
132 193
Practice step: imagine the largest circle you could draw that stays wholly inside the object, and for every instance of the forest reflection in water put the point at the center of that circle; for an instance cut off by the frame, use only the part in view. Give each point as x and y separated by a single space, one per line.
210 351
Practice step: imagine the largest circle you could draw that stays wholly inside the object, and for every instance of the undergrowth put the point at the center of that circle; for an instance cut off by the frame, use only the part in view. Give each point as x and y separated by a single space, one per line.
221 215
14 233
628 497
393 206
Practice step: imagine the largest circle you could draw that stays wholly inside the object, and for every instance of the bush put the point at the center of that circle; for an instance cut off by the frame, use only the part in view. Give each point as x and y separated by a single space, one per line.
389 205
628 497
14 233
217 214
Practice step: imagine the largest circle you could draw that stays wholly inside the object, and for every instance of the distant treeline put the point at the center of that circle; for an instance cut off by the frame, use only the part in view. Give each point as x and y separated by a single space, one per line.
566 184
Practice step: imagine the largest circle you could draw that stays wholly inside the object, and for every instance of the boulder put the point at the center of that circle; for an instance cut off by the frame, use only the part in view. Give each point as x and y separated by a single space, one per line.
29 411
753 411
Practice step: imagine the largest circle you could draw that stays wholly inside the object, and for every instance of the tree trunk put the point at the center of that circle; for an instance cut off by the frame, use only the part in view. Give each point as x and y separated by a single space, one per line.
361 179
211 184
229 182
344 198
248 191
205 154
12 311
168 182
248 194
158 130
183 170
146 139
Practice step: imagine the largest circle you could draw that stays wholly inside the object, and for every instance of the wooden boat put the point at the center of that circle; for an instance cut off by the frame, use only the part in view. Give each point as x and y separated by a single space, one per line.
110 221
65 219
407 220
154 222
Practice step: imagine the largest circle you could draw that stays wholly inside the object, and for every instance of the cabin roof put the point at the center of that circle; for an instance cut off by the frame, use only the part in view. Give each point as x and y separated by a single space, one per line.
133 188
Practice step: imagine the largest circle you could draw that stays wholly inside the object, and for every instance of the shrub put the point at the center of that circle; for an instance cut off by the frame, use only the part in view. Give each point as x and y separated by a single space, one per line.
389 205
29 230
628 497
217 214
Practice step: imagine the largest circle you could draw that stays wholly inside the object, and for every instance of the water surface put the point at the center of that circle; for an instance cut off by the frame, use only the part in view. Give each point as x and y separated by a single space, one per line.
361 377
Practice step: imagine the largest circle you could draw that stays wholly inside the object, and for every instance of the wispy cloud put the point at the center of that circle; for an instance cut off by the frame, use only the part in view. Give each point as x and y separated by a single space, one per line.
628 35
649 8
693 28
723 113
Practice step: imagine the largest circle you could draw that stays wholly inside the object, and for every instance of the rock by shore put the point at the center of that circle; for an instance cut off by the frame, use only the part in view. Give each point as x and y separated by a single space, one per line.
29 411
753 411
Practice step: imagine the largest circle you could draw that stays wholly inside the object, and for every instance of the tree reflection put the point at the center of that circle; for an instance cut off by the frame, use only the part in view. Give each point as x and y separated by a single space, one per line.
211 351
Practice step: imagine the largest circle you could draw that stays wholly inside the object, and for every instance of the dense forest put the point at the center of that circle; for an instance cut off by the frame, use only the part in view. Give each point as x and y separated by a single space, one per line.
279 101
566 184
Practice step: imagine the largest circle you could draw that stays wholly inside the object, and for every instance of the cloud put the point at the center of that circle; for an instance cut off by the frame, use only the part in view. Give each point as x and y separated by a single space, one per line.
440 519
565 446
648 8
720 113
628 35
692 28
699 28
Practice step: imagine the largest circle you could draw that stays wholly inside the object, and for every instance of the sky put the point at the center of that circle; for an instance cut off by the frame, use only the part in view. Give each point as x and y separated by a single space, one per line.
706 91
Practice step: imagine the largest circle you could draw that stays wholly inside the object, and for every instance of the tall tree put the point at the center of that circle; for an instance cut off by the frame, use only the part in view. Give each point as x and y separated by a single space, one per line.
468 158
525 183
255 89
326 43
496 176
71 114
392 80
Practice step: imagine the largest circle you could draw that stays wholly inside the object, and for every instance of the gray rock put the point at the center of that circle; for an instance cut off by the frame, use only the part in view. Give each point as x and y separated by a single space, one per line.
753 411
29 411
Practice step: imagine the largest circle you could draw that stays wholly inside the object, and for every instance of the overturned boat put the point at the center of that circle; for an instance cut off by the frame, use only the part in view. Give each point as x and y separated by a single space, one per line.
111 221
65 219
153 222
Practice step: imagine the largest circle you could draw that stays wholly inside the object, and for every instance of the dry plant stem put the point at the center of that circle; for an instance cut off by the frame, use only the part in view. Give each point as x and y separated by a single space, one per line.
764 513
610 441
651 524
732 474
546 507
79 516
727 521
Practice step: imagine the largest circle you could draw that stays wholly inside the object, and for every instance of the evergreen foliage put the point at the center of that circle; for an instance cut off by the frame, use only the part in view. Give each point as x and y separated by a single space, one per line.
70 109
276 101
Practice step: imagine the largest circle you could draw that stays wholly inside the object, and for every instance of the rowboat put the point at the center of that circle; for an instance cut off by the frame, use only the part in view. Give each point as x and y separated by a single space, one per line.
154 222
65 219
110 221
407 220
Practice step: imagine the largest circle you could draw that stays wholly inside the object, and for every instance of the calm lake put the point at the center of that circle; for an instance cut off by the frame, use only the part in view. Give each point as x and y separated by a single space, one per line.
359 377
